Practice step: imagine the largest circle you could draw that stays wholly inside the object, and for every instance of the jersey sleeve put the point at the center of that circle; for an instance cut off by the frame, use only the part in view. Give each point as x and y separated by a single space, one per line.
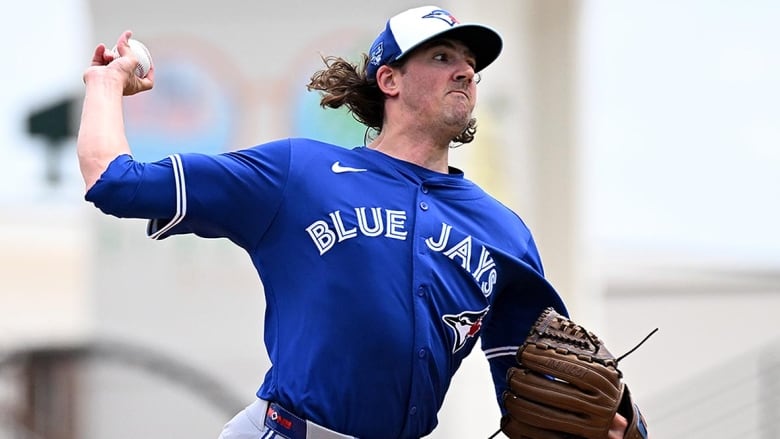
514 311
212 196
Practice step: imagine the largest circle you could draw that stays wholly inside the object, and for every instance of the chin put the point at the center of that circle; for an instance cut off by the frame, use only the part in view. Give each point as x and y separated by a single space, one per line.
460 124
457 116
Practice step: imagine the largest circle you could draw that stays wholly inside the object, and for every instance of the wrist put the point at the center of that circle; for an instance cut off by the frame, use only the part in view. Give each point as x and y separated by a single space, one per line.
106 79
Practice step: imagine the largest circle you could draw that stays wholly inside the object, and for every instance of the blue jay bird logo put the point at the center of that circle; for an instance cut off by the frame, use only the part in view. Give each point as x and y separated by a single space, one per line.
443 15
376 54
465 326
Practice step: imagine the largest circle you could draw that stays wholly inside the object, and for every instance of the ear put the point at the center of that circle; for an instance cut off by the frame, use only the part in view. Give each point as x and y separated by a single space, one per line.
387 80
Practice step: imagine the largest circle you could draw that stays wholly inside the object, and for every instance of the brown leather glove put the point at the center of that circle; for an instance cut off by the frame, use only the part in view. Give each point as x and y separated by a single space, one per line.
567 385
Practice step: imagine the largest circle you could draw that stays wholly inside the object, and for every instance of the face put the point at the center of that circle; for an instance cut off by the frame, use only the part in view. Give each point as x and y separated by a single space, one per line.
437 85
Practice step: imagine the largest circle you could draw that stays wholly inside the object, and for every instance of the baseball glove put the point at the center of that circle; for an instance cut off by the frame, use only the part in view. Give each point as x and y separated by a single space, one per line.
567 385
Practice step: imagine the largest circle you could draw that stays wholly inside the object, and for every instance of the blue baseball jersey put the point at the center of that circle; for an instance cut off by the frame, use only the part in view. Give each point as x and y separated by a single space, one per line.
379 275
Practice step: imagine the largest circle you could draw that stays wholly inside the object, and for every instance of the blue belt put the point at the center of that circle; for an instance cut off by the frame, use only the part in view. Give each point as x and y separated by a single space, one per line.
281 423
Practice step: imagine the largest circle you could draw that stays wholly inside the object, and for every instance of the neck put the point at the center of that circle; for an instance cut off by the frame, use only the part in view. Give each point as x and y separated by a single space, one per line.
425 154
422 149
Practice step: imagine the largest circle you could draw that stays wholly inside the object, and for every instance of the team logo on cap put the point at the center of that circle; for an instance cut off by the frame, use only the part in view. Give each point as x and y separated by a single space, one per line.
443 15
465 326
376 54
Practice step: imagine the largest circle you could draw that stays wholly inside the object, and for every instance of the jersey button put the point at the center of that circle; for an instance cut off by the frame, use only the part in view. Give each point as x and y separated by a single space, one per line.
424 205
413 410
421 353
424 189
421 291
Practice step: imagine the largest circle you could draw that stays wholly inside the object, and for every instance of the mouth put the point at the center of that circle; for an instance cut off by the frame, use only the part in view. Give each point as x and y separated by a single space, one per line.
461 92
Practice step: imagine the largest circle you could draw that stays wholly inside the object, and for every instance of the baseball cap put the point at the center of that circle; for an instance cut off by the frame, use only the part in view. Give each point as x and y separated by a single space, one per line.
410 29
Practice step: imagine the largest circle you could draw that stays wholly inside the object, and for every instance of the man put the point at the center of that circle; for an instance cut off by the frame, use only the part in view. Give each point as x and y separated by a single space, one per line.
381 264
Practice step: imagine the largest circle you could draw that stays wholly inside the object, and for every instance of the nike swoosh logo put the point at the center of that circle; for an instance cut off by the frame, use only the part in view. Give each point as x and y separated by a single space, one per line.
338 169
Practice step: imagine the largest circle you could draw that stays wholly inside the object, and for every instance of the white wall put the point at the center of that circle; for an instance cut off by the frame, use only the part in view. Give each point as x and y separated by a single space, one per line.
680 140
679 126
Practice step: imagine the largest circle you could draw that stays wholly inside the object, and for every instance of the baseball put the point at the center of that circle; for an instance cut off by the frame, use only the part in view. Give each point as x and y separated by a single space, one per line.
141 54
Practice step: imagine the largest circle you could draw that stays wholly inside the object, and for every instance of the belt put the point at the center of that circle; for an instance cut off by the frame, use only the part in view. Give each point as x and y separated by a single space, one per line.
281 423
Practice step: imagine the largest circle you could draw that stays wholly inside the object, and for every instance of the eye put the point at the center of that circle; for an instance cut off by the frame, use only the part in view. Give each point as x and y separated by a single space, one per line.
443 57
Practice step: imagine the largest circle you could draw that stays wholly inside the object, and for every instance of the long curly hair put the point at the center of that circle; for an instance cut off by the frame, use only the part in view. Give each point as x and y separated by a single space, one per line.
344 83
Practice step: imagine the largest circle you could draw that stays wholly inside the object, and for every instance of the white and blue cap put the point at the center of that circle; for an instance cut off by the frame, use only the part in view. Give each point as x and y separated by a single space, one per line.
413 27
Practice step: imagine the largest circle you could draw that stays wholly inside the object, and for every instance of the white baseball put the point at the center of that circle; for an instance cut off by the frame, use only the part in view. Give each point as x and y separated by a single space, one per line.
143 56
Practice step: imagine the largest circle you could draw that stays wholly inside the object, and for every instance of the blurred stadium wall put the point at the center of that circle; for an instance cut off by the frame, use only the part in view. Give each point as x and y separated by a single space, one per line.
639 142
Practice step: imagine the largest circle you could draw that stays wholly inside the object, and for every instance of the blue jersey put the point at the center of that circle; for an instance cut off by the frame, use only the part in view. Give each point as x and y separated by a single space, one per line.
379 275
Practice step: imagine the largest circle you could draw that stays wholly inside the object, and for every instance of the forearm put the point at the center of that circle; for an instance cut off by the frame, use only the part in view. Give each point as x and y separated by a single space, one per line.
101 136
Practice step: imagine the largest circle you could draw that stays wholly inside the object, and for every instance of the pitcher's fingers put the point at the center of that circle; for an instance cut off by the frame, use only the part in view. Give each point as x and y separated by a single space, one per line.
150 75
99 56
122 47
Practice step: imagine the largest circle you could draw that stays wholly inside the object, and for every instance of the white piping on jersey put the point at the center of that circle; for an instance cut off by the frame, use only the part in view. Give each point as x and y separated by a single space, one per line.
500 352
181 196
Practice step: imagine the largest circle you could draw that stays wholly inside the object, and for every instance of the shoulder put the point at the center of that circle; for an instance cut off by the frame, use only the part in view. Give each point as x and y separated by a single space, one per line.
311 146
498 209
300 156
503 222
310 155
300 146
296 150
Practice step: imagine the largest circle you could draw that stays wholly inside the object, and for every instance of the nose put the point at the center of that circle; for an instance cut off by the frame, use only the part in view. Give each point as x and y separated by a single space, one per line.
468 75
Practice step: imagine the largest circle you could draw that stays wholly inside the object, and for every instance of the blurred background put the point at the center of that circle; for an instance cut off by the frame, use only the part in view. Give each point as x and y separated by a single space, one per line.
639 140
